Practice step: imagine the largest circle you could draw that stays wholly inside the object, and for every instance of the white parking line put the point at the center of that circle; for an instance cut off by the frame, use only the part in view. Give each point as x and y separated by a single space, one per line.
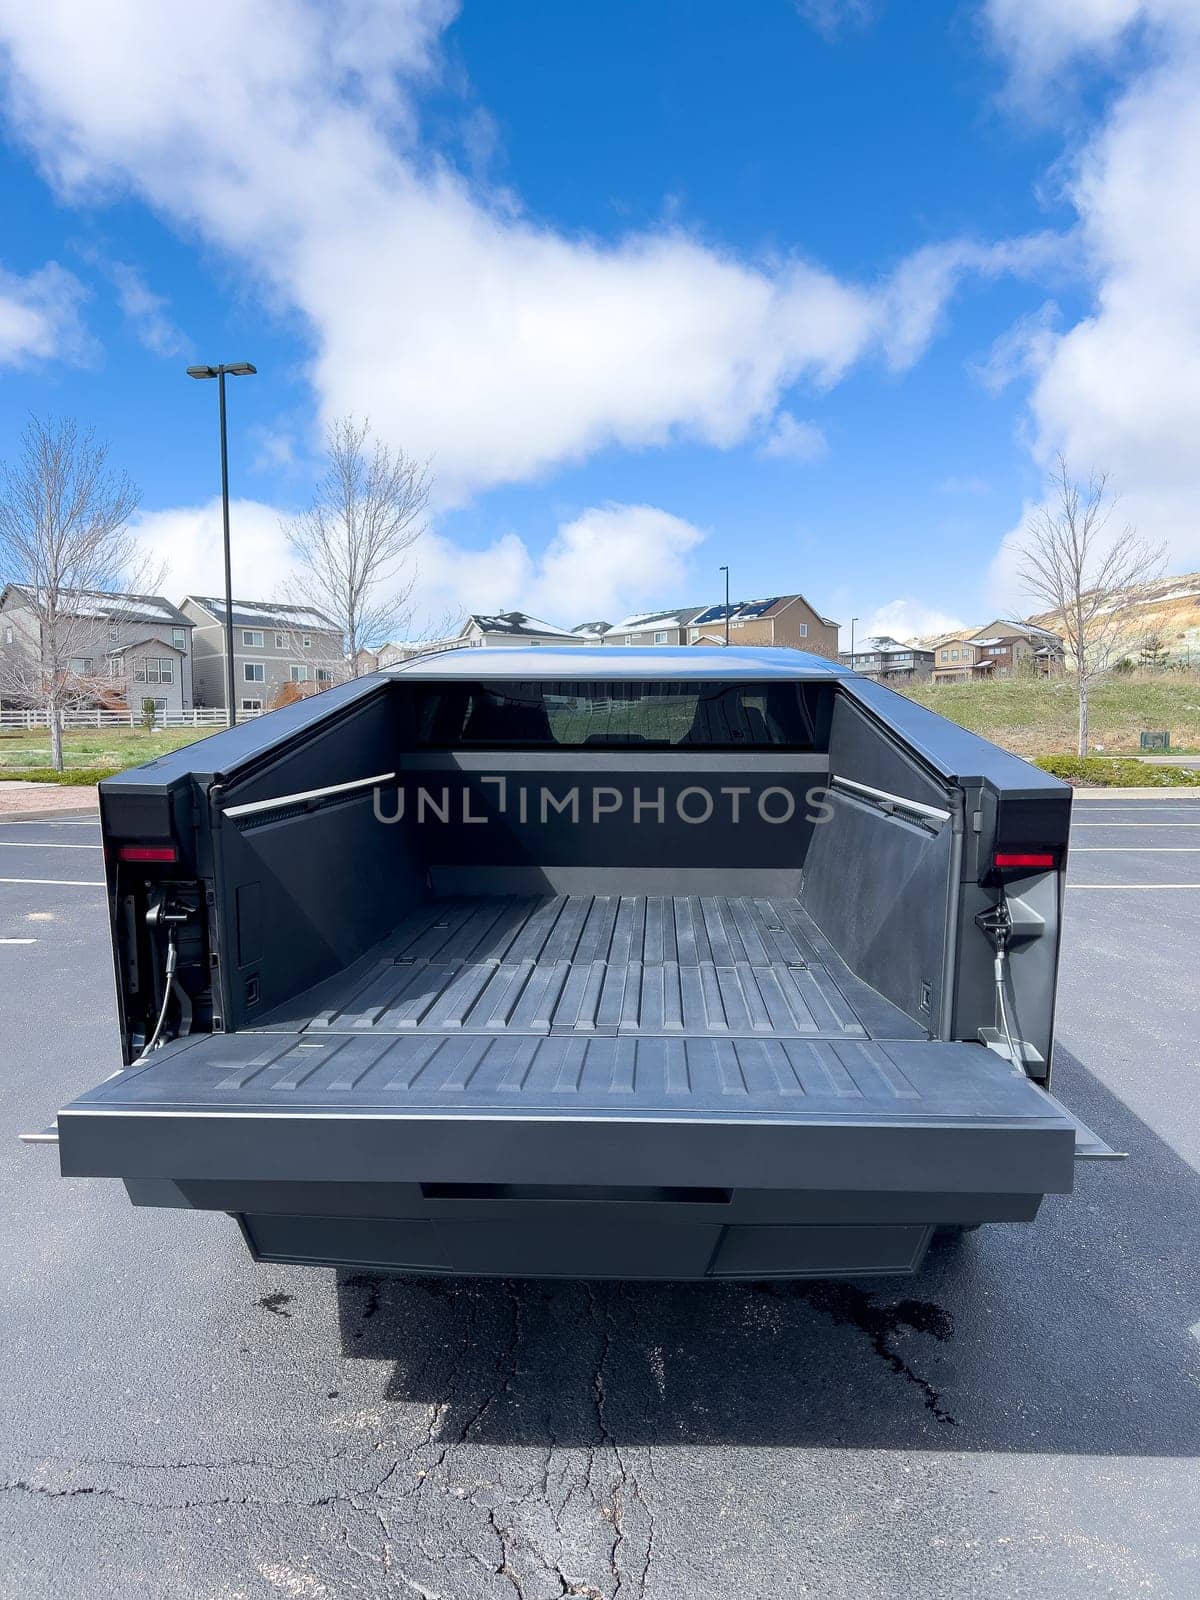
62 883
1194 887
1136 850
1135 824
18 941
90 821
22 844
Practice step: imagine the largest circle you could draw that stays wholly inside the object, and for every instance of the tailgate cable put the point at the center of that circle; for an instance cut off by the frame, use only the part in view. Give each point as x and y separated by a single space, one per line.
997 924
163 912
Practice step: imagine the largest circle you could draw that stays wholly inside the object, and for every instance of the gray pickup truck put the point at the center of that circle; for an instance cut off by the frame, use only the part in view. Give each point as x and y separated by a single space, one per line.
671 963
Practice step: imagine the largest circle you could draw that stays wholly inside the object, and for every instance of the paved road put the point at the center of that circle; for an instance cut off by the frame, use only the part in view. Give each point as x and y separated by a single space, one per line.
1022 1418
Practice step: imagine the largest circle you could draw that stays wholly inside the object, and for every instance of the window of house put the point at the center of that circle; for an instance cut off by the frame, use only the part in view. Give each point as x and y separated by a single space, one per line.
804 630
252 638
254 672
80 666
299 673
8 636
945 655
251 705
280 641
954 655
116 666
306 641
114 636
179 639
160 705
324 675
660 638
153 669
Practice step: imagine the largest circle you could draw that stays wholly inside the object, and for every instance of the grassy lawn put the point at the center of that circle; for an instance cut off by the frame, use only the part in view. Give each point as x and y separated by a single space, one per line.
1035 717
25 752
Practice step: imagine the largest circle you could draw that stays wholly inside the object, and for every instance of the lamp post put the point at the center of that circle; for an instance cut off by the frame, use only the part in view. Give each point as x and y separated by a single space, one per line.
725 570
853 620
235 369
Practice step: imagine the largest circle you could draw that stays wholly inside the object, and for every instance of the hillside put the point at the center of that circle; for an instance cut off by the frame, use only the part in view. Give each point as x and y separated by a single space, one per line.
1168 607
1039 716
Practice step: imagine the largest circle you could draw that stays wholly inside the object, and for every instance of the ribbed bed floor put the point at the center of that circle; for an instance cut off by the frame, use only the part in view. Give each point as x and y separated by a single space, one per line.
593 965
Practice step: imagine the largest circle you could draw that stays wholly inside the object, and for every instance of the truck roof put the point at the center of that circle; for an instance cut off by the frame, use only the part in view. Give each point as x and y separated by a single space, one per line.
655 663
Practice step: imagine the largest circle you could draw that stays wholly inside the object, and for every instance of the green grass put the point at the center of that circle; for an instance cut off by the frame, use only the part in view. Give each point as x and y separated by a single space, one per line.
1102 773
1038 716
88 753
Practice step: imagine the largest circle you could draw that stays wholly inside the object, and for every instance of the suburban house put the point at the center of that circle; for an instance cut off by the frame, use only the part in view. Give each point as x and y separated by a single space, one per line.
888 660
125 648
273 644
653 627
787 620
511 628
1000 650
592 632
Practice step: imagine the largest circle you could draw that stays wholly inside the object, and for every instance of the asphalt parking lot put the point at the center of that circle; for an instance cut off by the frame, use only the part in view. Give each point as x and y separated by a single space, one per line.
1023 1417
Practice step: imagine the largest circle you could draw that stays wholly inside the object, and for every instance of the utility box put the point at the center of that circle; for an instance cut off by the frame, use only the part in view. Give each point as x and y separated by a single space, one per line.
1155 741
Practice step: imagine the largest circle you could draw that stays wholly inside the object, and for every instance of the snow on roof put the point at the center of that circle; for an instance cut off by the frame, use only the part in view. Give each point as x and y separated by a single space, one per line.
515 622
648 621
268 613
109 607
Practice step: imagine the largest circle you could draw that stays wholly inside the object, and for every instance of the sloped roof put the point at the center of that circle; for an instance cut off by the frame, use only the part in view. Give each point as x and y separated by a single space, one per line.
106 606
595 630
515 622
267 614
649 621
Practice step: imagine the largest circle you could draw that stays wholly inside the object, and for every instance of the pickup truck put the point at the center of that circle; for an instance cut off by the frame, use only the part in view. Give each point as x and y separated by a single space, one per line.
588 962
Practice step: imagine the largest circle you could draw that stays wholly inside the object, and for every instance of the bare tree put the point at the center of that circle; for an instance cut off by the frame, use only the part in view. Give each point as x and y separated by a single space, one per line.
353 543
1087 574
63 531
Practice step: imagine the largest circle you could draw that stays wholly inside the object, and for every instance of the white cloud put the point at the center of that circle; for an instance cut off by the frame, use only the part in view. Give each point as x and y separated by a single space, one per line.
467 330
792 440
187 542
606 562
145 311
1021 350
904 618
829 17
39 317
1120 390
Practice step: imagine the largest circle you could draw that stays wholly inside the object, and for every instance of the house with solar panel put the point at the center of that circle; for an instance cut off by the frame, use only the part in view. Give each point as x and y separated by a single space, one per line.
273 644
120 649
786 620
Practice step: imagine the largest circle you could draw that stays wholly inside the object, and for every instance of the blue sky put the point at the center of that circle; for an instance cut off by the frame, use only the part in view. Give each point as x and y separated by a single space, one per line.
813 288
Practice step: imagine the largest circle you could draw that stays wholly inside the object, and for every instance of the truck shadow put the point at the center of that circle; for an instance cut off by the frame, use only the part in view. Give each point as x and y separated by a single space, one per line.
1072 1335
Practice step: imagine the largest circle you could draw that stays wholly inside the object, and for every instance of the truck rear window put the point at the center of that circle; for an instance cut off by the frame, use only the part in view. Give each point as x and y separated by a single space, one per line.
573 714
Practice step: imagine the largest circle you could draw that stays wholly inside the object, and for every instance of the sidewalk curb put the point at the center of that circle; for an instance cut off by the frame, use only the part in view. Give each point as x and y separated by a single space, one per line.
1158 792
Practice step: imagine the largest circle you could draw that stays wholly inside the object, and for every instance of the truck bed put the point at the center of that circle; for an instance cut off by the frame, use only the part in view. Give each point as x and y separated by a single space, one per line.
633 965
446 1051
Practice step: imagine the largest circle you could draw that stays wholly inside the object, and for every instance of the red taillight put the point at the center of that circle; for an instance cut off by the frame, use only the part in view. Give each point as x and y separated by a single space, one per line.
147 852
1023 858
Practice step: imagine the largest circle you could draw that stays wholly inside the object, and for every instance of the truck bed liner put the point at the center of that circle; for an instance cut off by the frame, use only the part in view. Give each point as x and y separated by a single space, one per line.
685 966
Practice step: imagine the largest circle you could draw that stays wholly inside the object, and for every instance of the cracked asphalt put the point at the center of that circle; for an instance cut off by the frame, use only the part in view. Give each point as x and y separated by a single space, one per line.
1022 1417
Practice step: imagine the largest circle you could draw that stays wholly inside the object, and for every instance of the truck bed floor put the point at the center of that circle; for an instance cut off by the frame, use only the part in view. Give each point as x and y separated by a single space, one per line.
683 966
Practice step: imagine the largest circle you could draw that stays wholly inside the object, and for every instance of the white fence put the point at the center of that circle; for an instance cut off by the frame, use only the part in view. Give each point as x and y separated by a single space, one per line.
208 717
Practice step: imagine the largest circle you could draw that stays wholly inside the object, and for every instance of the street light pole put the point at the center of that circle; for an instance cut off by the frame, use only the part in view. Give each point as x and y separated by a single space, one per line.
725 570
853 620
238 369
